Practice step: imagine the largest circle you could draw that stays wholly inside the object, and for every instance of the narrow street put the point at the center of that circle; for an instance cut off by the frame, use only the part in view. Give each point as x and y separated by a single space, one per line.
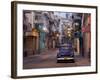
48 59
51 29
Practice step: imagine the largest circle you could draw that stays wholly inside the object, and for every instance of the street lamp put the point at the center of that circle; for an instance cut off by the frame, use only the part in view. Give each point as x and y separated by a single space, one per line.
76 24
57 34
45 29
57 39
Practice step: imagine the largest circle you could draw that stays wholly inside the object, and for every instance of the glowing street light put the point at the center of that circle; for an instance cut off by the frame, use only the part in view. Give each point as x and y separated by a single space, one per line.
57 35
45 29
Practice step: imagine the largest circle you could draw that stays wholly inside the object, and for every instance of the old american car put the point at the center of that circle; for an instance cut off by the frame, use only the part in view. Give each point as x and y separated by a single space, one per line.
66 53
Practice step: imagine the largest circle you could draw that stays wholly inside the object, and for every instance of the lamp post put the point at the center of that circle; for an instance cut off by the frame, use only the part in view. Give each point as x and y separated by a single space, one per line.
57 38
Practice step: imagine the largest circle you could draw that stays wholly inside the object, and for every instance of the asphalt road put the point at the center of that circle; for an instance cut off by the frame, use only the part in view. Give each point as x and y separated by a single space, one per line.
48 59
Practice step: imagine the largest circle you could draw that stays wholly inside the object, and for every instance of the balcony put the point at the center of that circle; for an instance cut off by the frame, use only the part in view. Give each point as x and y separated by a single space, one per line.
33 33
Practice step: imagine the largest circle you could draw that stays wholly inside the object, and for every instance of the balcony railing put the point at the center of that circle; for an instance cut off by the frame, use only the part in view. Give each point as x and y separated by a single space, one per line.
31 33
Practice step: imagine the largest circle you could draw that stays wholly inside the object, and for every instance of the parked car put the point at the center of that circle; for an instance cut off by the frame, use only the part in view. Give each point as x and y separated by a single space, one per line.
66 53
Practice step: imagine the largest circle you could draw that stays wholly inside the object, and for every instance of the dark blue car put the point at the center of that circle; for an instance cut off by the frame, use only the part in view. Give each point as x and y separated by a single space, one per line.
66 53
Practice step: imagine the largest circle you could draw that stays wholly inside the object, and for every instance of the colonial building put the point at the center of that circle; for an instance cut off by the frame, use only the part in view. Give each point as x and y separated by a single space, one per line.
86 29
31 35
